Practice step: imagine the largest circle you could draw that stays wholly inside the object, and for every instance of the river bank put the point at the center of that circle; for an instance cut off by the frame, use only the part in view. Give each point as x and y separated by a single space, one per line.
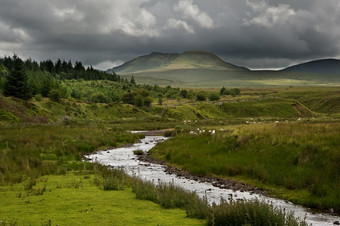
124 158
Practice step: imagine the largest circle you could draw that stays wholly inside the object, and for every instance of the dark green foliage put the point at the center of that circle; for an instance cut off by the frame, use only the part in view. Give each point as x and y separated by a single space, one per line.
138 152
55 95
16 84
139 100
232 92
160 100
201 96
147 101
128 98
100 98
132 80
214 96
184 93
222 90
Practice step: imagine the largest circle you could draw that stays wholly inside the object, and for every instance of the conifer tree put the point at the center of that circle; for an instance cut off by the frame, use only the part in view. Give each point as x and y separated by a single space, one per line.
132 80
16 84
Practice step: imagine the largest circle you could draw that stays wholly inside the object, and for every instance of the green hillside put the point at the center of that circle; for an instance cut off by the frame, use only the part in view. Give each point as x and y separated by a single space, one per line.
142 63
324 66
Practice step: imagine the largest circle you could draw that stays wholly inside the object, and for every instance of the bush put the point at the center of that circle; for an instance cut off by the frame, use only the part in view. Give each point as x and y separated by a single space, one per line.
147 101
55 95
139 101
38 97
232 92
100 98
214 96
201 96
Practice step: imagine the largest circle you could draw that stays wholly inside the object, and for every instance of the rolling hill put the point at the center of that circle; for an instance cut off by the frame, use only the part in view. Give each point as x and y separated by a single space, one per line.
205 69
324 66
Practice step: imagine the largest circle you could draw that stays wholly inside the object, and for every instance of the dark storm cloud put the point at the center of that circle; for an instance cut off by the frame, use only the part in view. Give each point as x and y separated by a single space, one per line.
253 33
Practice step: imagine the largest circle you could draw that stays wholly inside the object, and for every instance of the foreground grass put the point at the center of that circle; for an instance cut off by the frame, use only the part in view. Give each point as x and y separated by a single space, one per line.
302 158
74 199
33 151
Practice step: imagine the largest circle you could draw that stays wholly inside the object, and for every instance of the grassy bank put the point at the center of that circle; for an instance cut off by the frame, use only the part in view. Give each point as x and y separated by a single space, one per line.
302 158
74 199
44 181
37 150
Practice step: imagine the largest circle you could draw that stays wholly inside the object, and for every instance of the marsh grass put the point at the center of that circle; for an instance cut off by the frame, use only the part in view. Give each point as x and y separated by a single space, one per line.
295 156
252 213
226 213
33 151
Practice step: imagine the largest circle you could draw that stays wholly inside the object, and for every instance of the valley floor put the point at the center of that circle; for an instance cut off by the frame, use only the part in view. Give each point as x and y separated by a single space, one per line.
285 140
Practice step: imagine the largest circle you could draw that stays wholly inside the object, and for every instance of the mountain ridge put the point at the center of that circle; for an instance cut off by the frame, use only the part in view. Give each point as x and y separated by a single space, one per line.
192 59
197 68
320 66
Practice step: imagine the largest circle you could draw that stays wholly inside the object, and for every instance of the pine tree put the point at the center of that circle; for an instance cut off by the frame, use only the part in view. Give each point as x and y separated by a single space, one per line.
16 84
222 90
132 80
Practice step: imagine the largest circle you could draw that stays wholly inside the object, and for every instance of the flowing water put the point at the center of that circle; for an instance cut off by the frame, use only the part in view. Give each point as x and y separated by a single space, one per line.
124 158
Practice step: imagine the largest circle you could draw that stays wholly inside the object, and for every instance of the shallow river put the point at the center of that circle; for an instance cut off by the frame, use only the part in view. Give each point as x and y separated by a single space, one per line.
124 158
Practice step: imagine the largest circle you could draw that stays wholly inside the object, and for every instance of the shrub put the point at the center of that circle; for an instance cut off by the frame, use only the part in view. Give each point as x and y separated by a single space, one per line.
38 97
200 96
147 101
139 101
214 96
100 98
250 213
138 152
55 95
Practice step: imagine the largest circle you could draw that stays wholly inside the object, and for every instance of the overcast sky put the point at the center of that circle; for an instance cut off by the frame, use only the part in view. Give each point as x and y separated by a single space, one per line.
105 33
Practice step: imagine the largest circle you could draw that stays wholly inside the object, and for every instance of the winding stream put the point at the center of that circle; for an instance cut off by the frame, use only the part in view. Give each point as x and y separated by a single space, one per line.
124 158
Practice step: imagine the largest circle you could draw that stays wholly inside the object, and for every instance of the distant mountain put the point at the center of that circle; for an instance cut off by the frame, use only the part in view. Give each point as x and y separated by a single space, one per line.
205 69
161 62
324 66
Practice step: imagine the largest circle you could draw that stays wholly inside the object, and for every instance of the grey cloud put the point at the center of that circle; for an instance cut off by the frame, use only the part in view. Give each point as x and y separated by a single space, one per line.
253 33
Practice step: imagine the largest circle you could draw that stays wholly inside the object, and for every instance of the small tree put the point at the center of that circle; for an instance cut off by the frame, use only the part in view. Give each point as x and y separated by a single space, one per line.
222 90
16 84
184 93
132 80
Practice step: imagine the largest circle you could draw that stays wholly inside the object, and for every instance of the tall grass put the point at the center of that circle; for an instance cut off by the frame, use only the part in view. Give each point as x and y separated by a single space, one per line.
294 156
226 213
250 213
32 151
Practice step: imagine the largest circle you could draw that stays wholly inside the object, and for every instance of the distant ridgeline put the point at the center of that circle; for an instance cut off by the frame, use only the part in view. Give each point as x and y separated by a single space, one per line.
205 69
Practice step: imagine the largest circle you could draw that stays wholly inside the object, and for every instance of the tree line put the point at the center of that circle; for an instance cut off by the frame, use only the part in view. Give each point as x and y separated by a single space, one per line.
25 79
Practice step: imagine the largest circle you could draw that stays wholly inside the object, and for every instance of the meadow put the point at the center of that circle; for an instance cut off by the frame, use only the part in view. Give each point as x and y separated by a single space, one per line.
293 160
42 142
